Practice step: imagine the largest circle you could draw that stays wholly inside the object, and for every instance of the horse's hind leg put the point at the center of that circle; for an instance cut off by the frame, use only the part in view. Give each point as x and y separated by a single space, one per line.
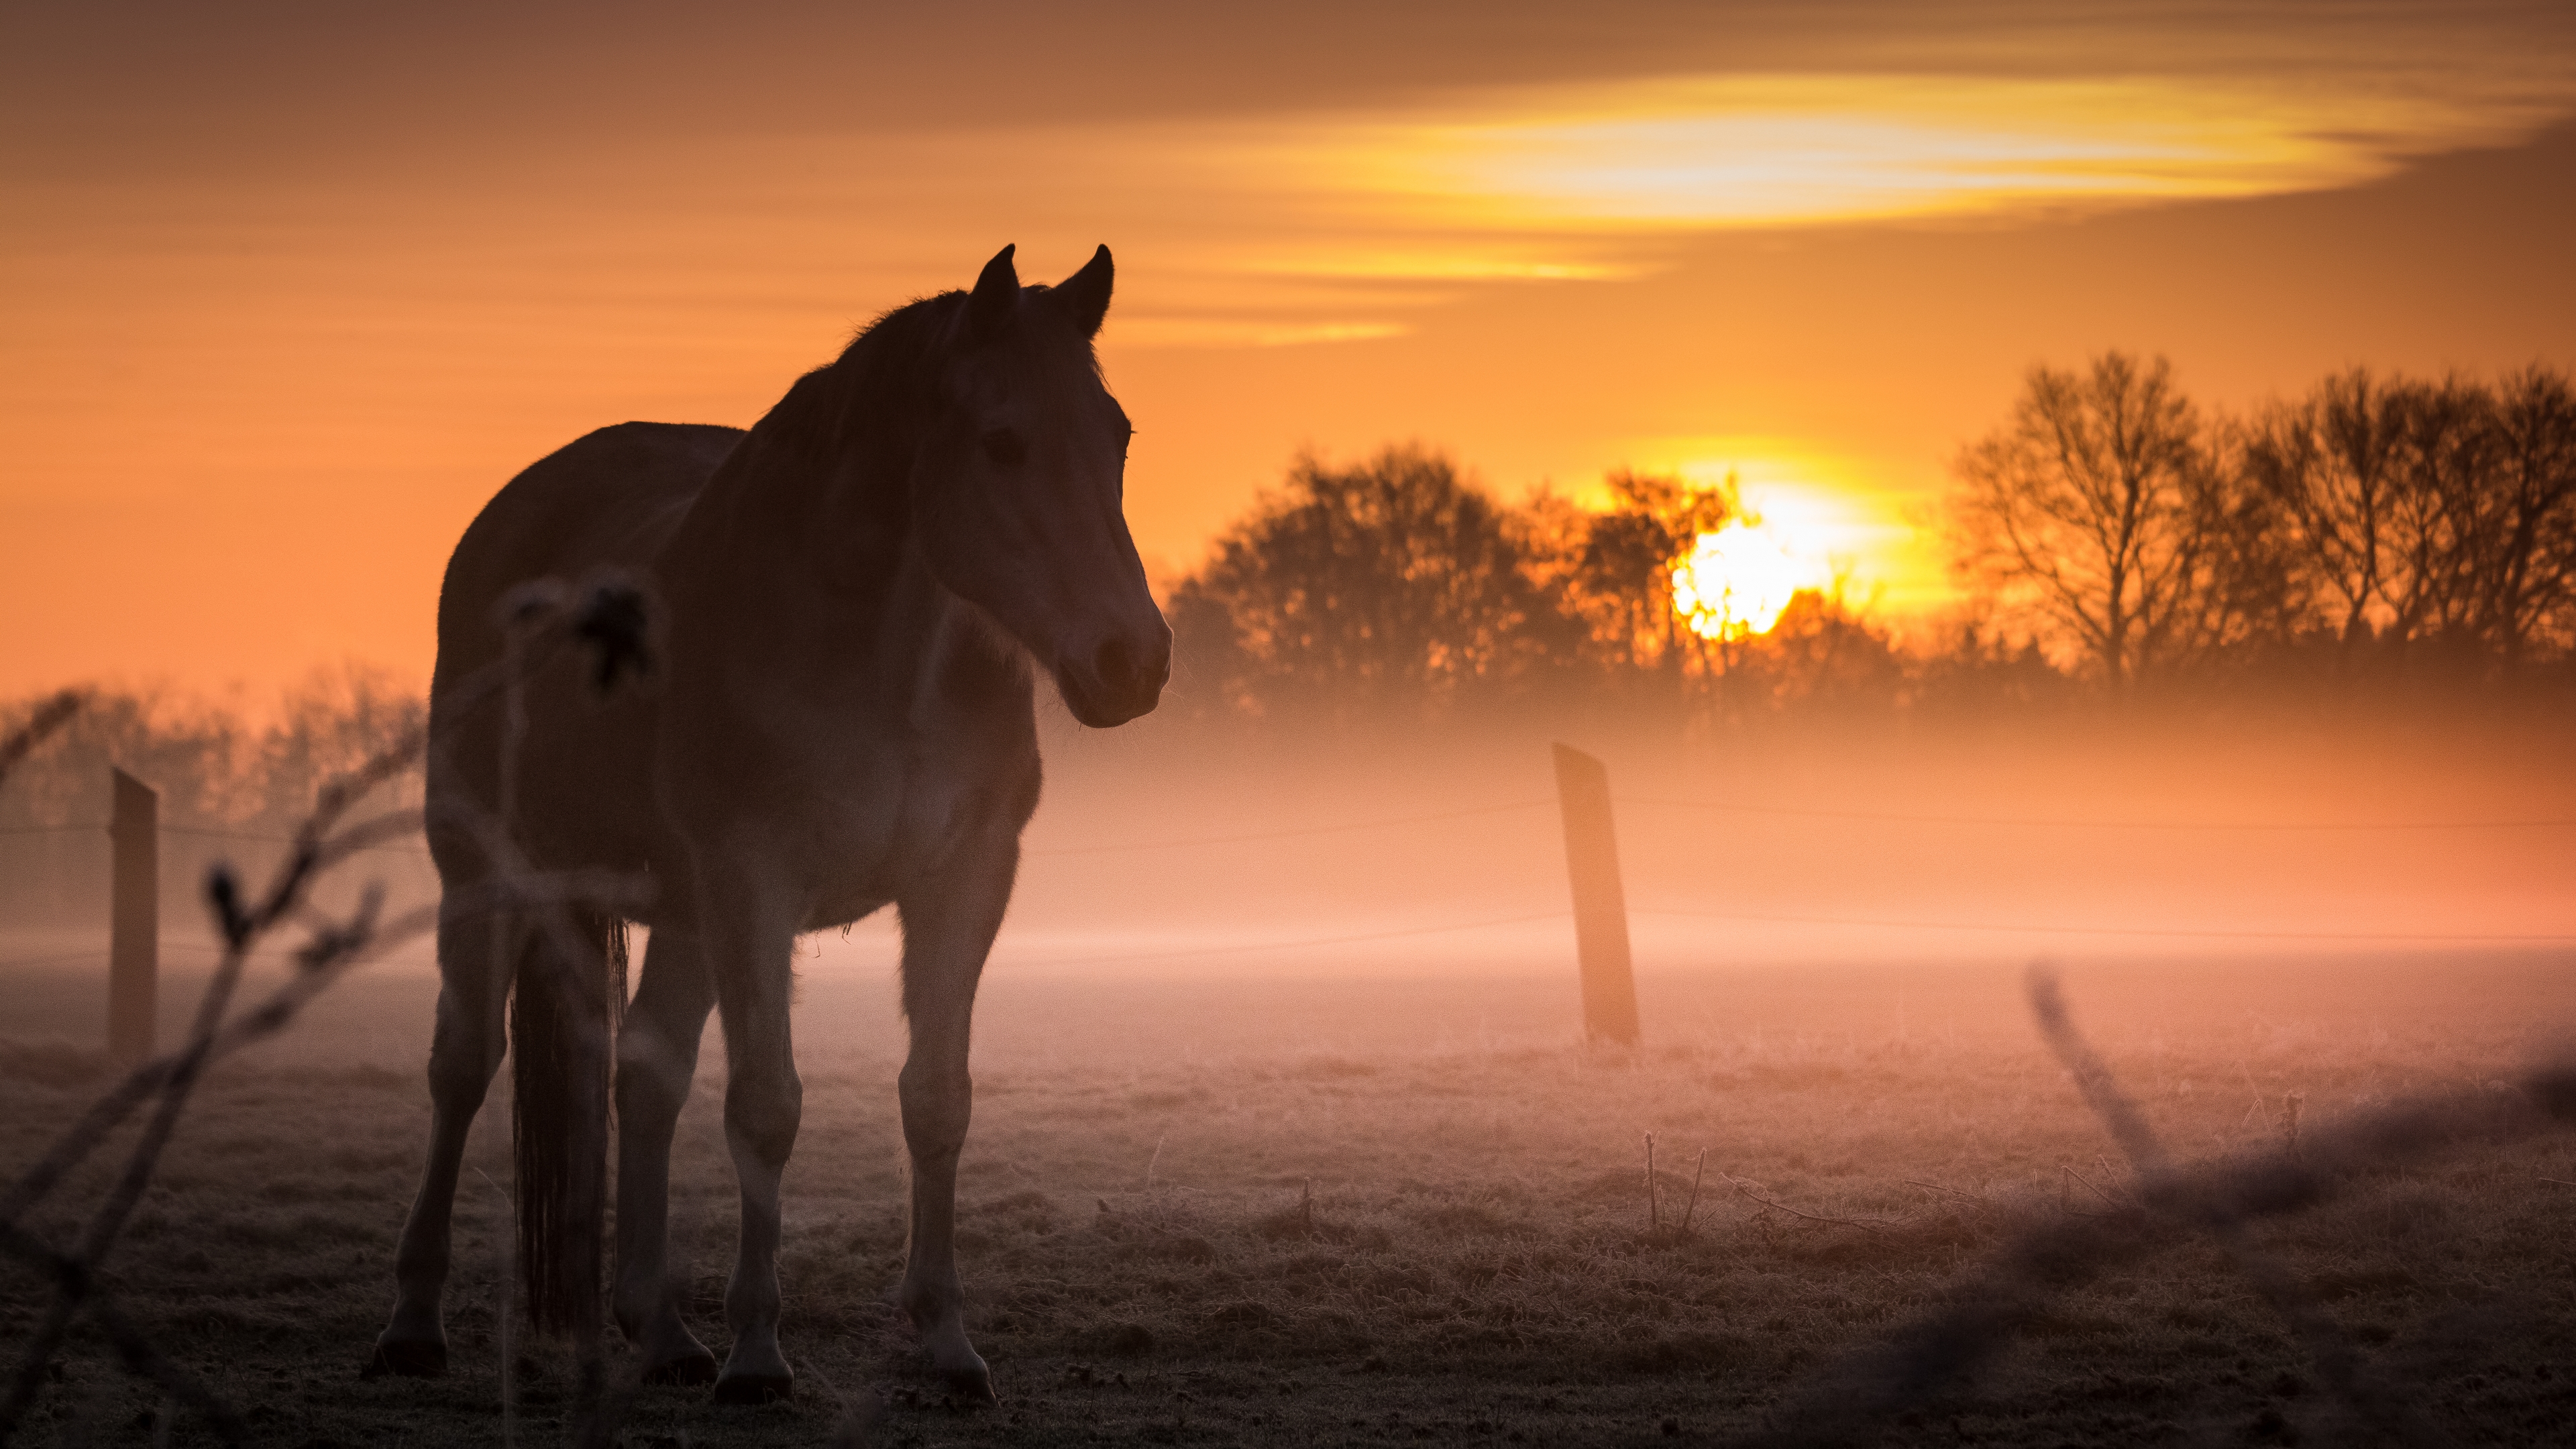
947 930
748 943
465 1050
657 1055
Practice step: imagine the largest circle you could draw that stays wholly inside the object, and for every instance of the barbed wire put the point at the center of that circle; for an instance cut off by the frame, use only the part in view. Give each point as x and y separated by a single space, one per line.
1298 944
1356 825
2173 932
100 953
201 830
1753 917
1514 806
1309 942
2080 823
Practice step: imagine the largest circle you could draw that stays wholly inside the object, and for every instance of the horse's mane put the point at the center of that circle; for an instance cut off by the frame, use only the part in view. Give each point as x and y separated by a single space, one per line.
874 389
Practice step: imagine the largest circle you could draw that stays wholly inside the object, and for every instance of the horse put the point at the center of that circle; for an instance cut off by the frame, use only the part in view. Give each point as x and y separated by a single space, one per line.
851 600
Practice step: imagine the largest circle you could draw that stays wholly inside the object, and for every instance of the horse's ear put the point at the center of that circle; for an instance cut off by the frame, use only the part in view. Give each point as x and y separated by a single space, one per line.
996 293
1086 293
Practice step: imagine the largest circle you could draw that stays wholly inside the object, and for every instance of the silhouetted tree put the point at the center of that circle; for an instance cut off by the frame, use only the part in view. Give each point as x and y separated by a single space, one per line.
2524 535
231 787
2429 514
2448 457
2099 509
1629 553
1389 582
1820 656
330 724
1611 570
2335 463
2106 521
1969 666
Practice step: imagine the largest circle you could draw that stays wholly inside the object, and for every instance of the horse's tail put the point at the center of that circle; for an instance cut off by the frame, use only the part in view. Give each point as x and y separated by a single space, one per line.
563 1021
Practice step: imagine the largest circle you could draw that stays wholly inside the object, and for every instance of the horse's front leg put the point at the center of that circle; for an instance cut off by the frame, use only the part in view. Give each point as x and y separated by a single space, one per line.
464 1053
948 926
749 937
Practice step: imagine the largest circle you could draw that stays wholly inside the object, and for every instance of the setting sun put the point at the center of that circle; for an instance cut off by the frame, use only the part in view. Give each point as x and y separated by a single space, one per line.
1738 579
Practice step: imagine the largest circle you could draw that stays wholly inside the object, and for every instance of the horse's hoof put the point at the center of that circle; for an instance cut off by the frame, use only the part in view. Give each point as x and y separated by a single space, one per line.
971 1383
694 1368
410 1359
756 1389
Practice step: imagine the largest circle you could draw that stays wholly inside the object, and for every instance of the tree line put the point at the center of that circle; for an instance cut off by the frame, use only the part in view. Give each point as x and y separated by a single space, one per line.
231 788
1395 582
2114 540
2111 538
2375 524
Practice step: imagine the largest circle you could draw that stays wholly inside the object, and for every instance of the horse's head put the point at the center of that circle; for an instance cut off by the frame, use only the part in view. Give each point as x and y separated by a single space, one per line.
1017 490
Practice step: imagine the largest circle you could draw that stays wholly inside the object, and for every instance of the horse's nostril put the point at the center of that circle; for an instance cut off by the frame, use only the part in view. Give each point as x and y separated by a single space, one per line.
1125 672
1113 666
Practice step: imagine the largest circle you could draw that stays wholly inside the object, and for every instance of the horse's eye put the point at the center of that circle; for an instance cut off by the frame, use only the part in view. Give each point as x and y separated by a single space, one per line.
1004 447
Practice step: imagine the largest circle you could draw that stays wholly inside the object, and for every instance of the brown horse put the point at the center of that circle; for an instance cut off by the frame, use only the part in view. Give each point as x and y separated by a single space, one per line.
850 596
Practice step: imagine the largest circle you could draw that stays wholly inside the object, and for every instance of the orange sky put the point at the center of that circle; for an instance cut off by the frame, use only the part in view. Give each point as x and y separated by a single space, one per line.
287 290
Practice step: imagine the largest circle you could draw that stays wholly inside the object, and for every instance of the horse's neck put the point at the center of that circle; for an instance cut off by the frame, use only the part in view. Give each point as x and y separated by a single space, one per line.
794 579
815 499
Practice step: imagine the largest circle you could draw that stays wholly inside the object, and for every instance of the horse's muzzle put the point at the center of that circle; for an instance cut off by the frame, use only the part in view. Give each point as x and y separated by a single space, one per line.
1119 682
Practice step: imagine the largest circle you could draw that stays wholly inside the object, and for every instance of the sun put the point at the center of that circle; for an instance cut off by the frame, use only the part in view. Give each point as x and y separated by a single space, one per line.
1809 520
1737 580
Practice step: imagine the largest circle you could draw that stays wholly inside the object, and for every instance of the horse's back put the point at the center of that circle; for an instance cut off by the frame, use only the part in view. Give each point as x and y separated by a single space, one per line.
609 499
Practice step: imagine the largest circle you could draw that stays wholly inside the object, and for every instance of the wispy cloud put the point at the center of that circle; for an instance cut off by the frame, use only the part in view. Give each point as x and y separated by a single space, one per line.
1153 331
1824 149
1570 183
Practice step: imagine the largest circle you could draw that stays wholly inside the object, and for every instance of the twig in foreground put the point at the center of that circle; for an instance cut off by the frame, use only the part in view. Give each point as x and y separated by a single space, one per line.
243 925
2069 1169
2372 1401
74 1278
334 948
1852 1402
50 716
137 1351
1746 1189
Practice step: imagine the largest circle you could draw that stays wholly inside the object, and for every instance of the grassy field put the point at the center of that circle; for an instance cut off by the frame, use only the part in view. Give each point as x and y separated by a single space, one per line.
1475 1263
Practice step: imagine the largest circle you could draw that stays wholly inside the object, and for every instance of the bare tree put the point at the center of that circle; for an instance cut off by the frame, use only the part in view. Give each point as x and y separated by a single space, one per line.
2523 541
2335 463
2446 469
2098 508
2430 512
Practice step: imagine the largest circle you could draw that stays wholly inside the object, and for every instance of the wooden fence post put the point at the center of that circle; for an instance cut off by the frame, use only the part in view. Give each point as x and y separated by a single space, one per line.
1600 906
134 922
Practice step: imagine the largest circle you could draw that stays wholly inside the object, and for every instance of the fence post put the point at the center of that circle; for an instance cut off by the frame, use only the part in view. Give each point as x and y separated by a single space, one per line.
1600 906
134 921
